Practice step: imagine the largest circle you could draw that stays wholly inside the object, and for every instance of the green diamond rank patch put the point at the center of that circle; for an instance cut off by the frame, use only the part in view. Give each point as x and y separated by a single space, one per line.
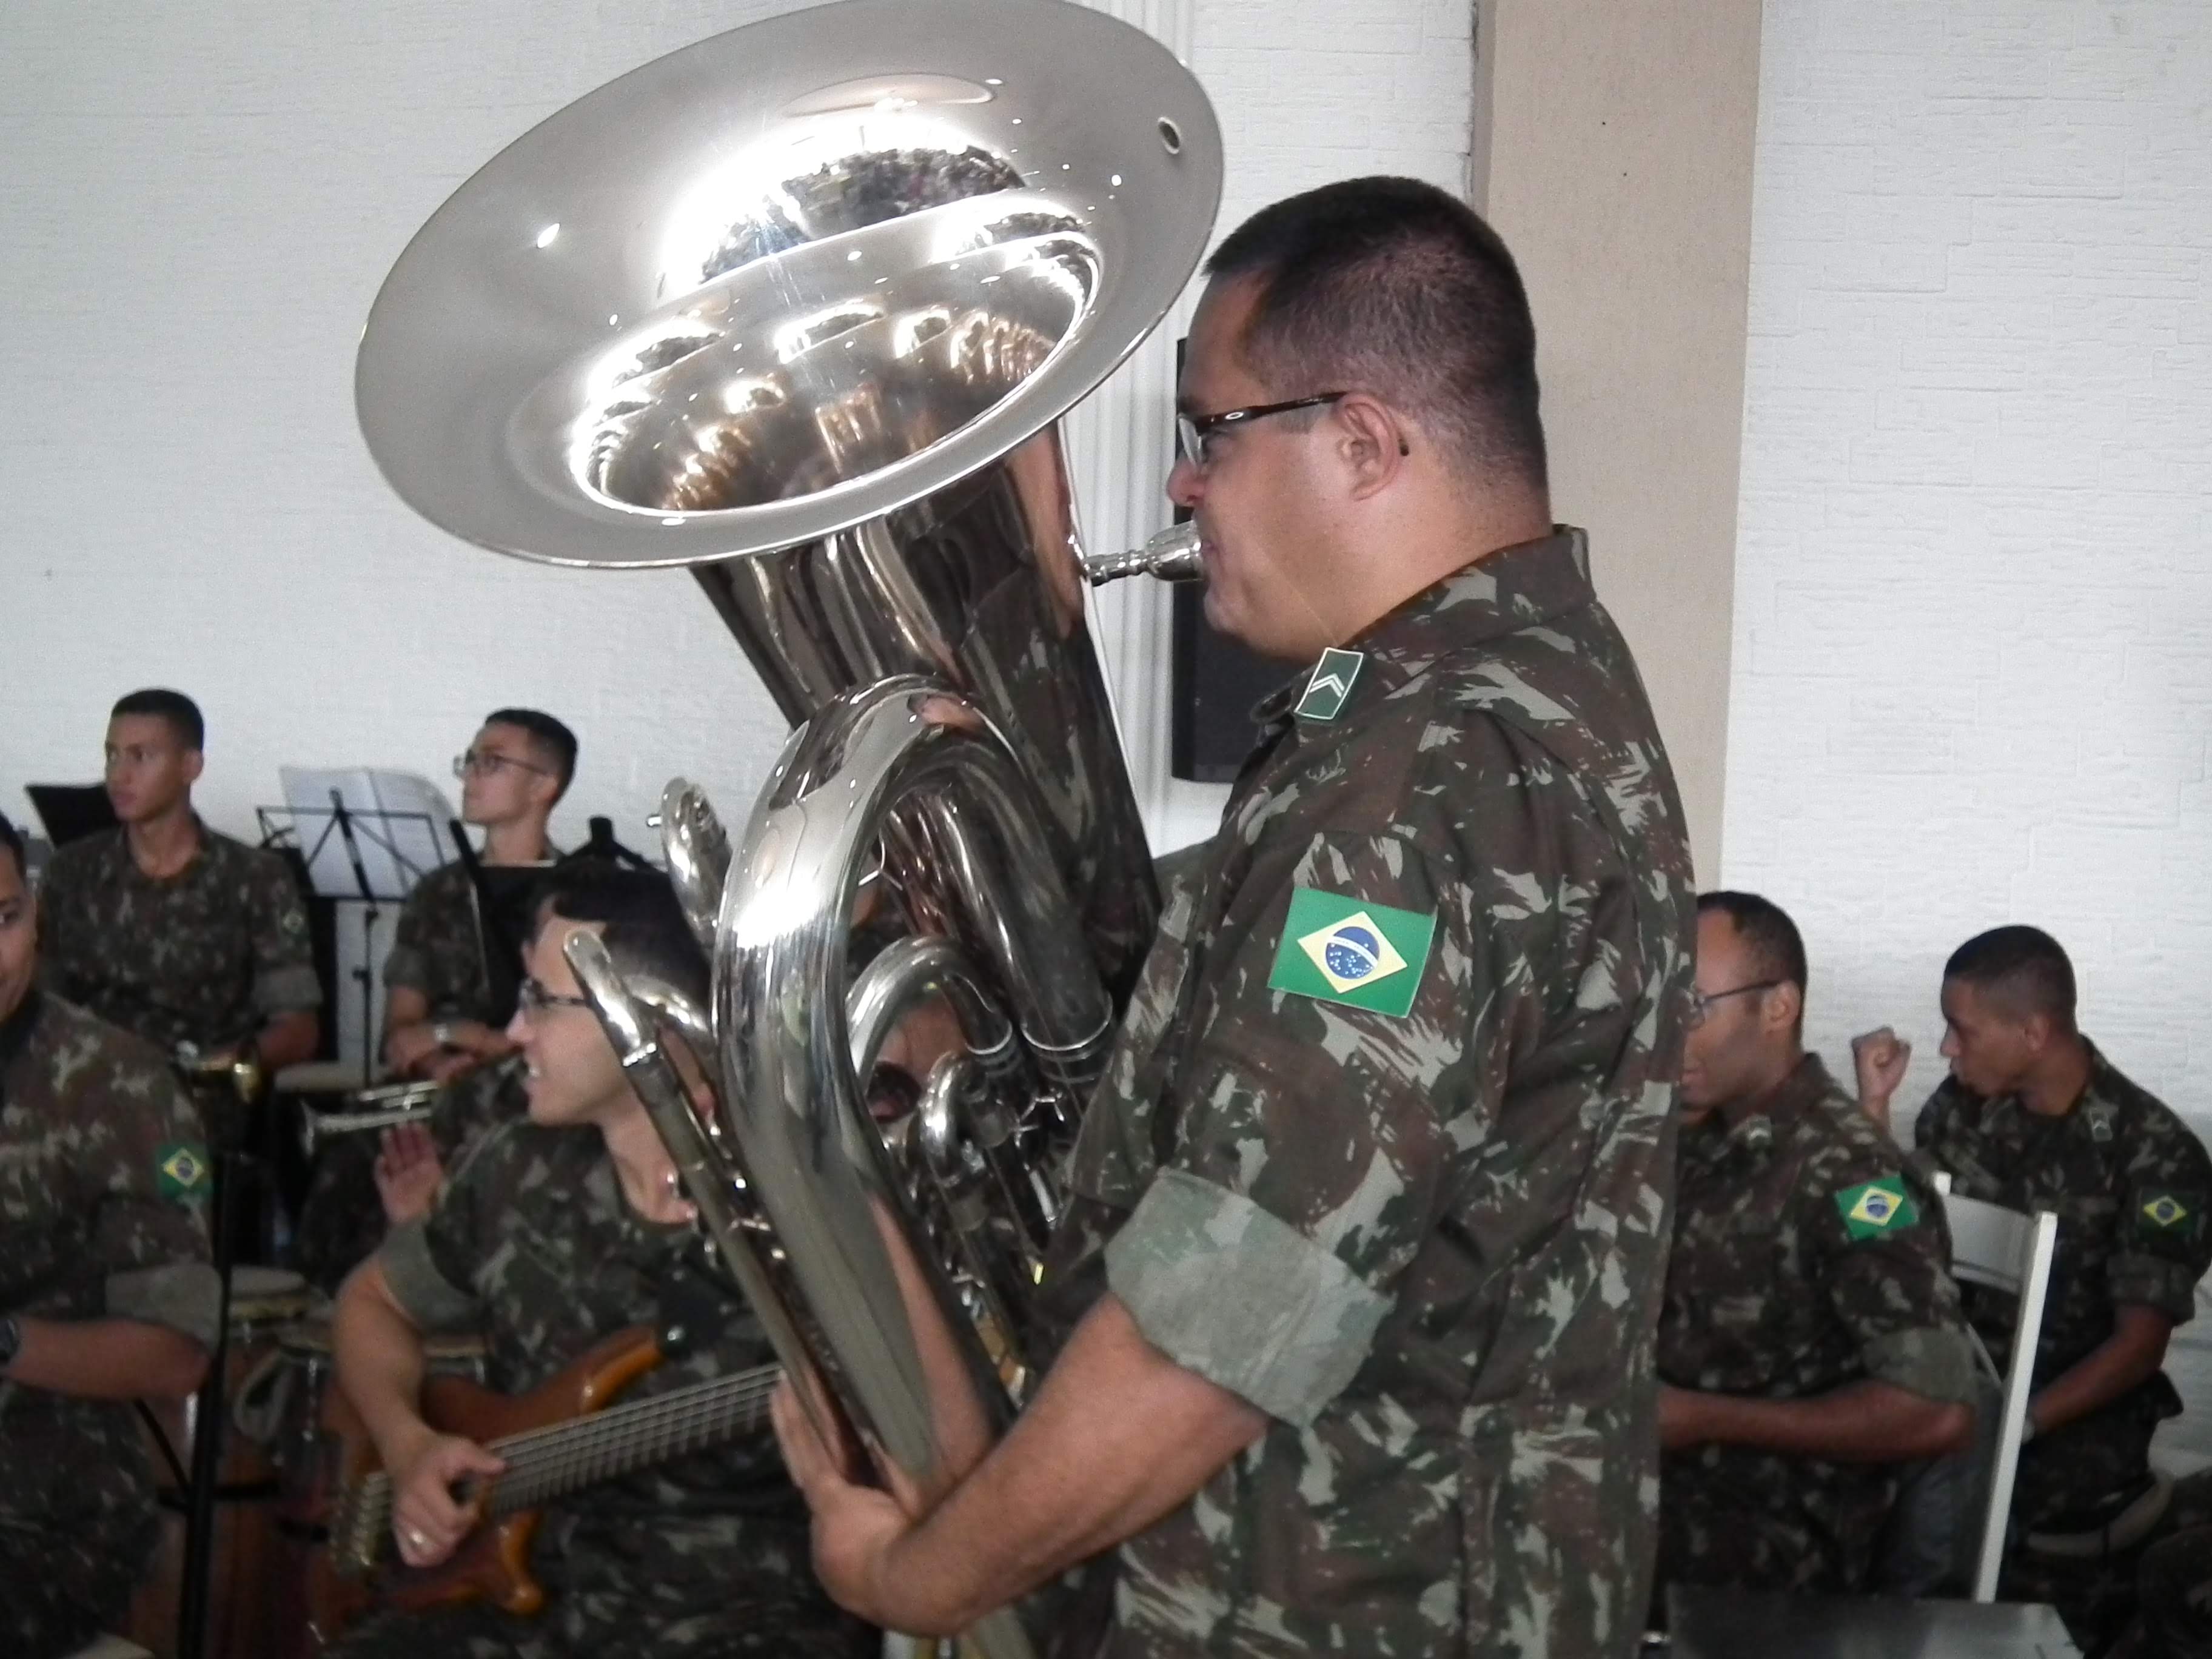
2162 1212
1329 684
1875 1207
184 1172
1340 950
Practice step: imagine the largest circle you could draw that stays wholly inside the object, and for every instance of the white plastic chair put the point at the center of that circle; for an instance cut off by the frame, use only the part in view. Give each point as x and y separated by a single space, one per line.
2006 1251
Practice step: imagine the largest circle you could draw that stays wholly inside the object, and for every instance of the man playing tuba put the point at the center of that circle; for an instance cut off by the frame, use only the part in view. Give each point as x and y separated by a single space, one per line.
1370 1221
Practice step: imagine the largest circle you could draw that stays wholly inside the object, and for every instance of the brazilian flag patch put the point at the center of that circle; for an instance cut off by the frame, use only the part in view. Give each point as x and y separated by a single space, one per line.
183 1172
2165 1212
1875 1207
1340 949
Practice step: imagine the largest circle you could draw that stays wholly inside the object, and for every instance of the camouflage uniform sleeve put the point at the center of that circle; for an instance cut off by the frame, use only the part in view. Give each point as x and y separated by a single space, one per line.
408 965
431 1263
1884 1267
284 958
1264 1255
2166 1235
149 1232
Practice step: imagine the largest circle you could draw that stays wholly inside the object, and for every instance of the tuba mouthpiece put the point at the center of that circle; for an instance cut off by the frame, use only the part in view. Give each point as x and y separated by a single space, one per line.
1171 556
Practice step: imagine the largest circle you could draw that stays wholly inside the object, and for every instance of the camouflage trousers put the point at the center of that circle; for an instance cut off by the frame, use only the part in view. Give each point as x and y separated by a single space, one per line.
633 1593
571 1632
2152 1601
1736 1516
65 1577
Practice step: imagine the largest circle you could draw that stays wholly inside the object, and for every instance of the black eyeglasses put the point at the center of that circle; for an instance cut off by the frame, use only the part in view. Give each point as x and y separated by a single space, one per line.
534 999
486 762
1701 1005
1192 431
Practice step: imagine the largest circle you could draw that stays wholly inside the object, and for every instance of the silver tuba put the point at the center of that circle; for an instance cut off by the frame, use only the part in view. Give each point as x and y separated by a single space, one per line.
799 308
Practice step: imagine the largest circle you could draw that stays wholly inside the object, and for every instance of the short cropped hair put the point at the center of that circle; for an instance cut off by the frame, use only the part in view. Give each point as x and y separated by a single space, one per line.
1393 287
11 840
640 922
2022 968
553 740
1777 949
182 714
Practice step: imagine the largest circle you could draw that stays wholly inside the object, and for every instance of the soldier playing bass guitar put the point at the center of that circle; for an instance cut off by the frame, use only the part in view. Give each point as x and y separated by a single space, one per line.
553 1235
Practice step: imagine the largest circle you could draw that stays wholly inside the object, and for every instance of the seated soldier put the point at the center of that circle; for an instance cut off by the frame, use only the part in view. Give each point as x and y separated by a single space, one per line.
181 936
2034 1117
105 1293
442 1013
1811 1338
553 1234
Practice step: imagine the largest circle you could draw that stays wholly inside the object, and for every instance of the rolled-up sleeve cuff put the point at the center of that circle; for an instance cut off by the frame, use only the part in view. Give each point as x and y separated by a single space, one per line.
287 990
2168 1287
406 967
433 1300
1933 1361
1241 1297
185 1297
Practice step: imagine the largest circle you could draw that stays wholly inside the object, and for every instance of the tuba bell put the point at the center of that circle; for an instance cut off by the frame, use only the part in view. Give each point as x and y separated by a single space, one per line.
799 308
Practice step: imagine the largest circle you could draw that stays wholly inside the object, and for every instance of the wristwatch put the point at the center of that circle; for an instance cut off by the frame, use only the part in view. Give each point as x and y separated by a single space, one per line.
11 1341
442 1034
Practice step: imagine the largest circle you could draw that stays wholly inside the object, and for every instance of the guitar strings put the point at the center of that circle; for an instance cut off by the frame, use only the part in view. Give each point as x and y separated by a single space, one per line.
546 1456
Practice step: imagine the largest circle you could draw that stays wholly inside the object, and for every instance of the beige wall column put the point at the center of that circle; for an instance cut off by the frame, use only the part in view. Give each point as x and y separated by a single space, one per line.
1613 150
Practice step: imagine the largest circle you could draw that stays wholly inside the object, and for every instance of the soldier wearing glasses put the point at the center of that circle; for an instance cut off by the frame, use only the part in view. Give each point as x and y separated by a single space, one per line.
1370 1208
1811 1338
556 1231
441 1017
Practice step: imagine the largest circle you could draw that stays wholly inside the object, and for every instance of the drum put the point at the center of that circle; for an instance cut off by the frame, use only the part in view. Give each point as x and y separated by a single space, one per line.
263 1302
308 1473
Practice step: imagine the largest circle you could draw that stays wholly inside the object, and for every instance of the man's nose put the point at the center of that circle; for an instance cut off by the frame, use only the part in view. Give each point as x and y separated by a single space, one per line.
1186 484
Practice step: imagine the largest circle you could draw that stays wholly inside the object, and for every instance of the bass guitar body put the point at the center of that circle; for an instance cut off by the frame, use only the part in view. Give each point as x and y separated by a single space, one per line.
357 1570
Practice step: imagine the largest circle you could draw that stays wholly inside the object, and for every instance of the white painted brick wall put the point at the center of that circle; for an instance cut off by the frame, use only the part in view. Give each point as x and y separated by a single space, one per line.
1973 626
200 202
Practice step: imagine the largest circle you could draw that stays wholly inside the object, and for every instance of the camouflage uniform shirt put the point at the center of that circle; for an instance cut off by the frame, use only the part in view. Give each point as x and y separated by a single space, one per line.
532 1242
1428 1243
437 950
1806 1259
102 1172
2132 1188
206 957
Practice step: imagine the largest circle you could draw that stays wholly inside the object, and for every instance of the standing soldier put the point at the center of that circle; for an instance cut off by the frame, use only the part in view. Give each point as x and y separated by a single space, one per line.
177 935
1811 1338
2034 1118
105 1293
1371 1207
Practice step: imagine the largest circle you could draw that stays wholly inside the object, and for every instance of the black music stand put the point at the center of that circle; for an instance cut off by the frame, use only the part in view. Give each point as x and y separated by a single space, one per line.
71 812
397 871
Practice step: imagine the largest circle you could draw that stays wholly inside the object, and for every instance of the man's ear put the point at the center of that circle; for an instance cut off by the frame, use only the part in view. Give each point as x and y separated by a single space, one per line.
1785 1006
1373 442
194 762
2037 1030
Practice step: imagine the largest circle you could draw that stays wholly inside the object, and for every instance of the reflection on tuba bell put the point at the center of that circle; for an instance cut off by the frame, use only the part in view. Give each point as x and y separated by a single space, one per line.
799 308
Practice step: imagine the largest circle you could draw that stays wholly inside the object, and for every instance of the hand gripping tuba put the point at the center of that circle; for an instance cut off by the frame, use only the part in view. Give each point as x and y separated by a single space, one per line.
799 308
